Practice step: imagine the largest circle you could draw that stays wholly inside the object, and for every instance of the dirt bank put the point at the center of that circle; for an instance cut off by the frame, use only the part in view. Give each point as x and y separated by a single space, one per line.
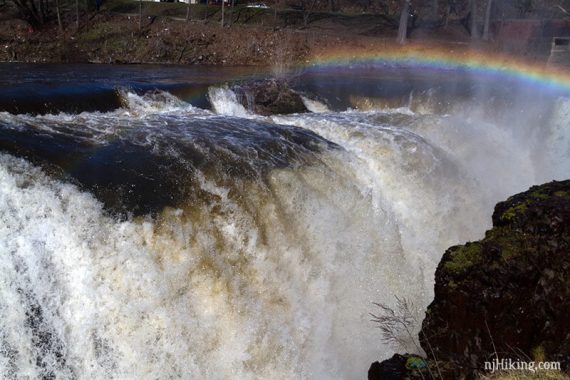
111 37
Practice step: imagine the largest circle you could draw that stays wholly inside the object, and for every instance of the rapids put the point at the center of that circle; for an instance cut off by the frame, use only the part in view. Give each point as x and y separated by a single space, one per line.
160 239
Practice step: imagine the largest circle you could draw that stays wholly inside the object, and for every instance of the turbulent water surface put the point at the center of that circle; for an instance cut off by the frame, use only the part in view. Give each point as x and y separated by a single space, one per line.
152 227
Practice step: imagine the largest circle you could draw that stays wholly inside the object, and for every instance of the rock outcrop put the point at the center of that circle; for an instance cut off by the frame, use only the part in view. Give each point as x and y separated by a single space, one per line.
508 295
398 367
270 97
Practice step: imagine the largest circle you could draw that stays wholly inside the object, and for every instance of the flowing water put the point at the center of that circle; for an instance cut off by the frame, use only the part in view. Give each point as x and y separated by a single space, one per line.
151 227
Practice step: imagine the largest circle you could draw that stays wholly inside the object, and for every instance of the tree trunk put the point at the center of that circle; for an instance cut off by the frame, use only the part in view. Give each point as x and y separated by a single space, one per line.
41 10
206 12
37 14
140 15
223 13
58 17
308 6
474 31
40 7
76 14
487 20
275 3
435 10
403 28
29 12
232 12
188 11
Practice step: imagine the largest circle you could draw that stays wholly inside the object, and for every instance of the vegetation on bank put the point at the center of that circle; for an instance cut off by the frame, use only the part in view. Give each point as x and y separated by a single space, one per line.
473 12
285 31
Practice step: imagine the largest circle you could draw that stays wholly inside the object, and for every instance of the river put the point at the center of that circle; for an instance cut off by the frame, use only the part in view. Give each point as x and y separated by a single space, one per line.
152 227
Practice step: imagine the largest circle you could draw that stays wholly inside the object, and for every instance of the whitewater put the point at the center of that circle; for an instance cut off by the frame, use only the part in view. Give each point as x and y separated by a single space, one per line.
164 240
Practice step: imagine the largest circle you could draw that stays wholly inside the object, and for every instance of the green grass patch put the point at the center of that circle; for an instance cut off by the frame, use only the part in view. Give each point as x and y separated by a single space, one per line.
463 257
510 242
511 212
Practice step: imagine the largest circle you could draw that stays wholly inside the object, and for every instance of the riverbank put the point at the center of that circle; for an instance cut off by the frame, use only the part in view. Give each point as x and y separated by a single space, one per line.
252 39
117 39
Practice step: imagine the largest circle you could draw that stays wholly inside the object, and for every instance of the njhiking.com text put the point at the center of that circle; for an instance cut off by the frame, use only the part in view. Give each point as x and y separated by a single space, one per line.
519 365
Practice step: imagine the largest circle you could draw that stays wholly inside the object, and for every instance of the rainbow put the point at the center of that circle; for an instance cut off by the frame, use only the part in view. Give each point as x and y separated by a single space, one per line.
473 61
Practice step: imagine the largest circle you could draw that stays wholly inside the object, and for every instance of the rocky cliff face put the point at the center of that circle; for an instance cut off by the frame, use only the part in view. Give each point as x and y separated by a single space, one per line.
508 295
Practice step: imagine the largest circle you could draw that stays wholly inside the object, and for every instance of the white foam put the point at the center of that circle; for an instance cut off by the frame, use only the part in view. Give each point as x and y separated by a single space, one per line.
265 280
154 102
224 102
221 294
314 105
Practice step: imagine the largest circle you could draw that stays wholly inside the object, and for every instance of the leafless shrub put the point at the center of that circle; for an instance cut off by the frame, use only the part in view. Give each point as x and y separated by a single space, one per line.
397 326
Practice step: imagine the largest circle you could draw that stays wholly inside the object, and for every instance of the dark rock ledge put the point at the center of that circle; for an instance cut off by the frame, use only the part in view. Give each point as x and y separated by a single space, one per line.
505 296
270 97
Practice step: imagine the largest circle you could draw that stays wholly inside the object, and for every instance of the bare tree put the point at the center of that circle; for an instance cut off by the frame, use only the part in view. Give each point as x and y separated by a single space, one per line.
403 28
140 14
563 10
232 12
188 11
59 24
450 7
435 9
487 20
32 11
473 27
206 11
223 13
275 4
76 14
308 7
524 6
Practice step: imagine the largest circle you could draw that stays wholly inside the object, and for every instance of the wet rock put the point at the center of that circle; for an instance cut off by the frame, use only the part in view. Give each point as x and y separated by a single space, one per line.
400 367
270 97
508 295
